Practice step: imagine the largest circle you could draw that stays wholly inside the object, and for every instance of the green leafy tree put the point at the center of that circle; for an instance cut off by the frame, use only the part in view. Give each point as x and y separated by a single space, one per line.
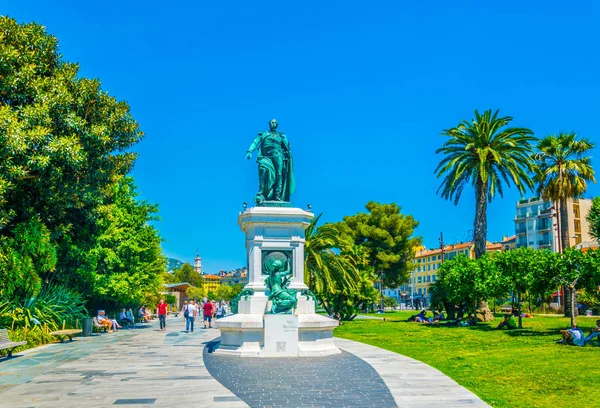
387 237
27 258
64 142
195 293
465 282
593 218
170 299
224 292
518 269
488 155
564 169
128 259
325 269
187 274
236 290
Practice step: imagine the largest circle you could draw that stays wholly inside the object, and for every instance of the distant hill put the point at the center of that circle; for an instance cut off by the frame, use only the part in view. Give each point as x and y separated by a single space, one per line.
173 263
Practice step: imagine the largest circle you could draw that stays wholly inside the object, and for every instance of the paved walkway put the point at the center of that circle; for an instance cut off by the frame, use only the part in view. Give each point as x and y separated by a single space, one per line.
149 368
137 368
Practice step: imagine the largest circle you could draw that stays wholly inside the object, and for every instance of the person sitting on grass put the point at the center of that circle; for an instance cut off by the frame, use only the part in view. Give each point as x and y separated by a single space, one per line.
438 316
508 322
573 336
594 333
422 317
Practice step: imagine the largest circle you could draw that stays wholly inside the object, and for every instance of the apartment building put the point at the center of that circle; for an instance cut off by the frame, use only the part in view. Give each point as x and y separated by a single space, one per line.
211 283
535 223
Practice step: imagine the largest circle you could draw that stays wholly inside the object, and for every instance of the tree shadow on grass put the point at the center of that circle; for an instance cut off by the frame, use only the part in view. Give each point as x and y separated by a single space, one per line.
532 333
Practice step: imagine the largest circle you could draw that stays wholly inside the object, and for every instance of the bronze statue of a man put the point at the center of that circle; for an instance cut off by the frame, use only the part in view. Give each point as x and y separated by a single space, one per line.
275 165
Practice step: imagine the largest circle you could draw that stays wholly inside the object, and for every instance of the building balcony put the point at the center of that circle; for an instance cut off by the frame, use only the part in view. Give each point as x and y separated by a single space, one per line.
544 243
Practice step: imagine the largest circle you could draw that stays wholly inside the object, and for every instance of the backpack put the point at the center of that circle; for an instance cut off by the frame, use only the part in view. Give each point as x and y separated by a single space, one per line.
186 313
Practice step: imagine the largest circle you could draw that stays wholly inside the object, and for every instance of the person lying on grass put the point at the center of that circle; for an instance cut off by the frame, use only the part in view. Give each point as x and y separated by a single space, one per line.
508 322
573 336
594 333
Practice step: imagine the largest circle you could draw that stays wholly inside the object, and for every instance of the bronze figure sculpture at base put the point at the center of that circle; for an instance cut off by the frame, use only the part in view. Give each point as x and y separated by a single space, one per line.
275 165
283 299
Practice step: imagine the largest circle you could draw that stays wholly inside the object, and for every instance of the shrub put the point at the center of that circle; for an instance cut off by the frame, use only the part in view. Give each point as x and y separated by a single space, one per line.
52 306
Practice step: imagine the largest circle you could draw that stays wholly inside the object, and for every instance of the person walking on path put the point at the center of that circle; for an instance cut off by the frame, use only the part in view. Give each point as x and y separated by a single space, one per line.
220 310
208 313
161 311
190 315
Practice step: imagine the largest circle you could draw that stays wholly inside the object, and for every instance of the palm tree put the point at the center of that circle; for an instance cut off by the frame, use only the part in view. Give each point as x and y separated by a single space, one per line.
324 268
563 172
486 154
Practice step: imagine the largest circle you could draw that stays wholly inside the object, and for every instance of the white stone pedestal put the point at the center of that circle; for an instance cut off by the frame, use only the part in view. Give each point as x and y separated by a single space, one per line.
281 335
251 332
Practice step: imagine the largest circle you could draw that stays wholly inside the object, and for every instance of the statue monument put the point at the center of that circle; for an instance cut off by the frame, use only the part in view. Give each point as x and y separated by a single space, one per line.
275 165
275 313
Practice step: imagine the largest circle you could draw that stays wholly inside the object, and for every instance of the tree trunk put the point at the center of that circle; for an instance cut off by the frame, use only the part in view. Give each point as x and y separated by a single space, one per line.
480 224
564 225
479 236
572 300
519 309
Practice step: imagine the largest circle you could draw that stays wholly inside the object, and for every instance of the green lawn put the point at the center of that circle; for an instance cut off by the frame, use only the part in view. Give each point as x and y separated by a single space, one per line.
518 368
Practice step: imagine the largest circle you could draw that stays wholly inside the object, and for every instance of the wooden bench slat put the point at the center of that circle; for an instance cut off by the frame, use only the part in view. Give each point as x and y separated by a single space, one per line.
66 332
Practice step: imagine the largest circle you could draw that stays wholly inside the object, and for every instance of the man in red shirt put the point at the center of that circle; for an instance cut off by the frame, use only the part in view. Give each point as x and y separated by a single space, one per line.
207 307
162 314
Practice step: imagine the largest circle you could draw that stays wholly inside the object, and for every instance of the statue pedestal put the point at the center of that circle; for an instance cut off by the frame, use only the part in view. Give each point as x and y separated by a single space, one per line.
275 232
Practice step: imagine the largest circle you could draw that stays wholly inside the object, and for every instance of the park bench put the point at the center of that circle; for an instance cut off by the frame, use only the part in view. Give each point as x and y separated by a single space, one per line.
62 334
8 344
506 309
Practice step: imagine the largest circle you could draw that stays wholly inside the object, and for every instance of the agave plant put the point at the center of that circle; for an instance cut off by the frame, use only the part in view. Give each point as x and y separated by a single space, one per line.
52 306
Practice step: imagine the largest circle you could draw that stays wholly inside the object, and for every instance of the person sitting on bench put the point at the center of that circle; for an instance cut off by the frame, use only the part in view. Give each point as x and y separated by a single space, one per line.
103 321
124 317
143 313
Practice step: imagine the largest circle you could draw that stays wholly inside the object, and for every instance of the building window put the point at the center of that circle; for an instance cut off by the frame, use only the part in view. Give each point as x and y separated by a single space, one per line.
434 267
433 278
439 257
420 291
428 267
420 279
428 278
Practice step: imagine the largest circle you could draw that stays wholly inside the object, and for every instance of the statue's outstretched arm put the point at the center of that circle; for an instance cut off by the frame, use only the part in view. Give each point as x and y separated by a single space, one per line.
254 145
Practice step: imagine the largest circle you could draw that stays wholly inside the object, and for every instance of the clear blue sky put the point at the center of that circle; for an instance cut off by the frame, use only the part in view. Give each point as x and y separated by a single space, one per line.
362 89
